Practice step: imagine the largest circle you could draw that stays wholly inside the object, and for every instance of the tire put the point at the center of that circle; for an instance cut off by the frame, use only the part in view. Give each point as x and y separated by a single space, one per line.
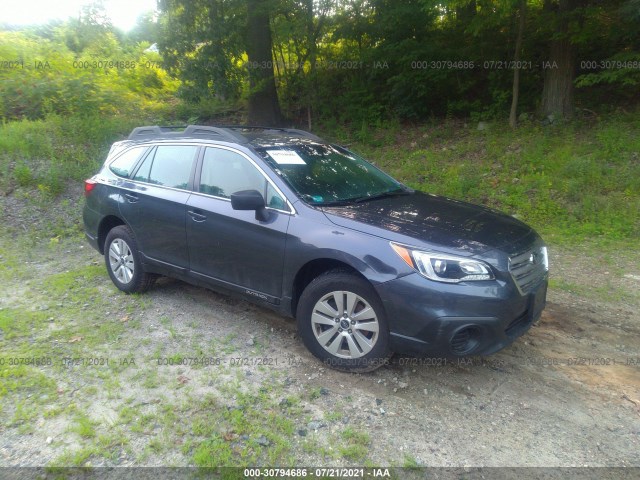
123 262
354 340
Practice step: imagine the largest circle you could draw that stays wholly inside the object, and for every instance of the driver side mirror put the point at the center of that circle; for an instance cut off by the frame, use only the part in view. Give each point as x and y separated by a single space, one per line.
250 200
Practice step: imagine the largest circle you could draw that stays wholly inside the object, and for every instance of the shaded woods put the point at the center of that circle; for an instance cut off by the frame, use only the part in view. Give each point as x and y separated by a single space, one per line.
342 61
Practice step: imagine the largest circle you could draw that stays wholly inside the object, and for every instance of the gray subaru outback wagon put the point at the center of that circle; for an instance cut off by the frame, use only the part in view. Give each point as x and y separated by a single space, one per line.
365 264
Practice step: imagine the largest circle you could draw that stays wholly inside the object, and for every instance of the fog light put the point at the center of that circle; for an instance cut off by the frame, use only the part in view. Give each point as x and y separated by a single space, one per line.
465 341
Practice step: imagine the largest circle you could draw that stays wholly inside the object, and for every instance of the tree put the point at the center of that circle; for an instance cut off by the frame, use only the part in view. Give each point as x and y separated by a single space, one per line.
365 60
204 42
297 27
264 108
201 43
91 28
513 114
145 30
560 68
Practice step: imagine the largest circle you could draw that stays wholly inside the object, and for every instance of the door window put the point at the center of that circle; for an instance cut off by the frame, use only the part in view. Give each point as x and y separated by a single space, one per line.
225 172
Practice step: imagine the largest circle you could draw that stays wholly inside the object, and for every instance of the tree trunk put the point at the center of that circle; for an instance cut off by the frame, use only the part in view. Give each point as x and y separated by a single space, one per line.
513 114
264 108
312 54
558 91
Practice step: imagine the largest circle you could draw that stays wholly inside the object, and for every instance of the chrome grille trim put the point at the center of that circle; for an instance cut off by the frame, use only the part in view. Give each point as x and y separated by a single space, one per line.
528 269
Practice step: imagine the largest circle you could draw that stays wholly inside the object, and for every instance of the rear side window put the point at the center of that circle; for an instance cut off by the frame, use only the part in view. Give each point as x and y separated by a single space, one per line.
123 165
169 166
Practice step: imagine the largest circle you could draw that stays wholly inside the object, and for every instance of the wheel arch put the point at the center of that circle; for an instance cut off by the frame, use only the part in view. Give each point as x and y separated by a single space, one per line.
313 269
106 225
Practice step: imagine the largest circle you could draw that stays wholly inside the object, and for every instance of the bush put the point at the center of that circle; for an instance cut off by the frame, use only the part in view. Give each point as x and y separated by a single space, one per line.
56 150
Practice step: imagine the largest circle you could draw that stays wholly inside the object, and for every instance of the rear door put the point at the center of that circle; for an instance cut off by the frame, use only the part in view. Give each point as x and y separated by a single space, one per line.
231 246
154 203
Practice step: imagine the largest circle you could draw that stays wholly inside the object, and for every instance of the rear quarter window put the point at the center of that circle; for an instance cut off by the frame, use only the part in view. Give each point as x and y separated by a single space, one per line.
170 166
124 163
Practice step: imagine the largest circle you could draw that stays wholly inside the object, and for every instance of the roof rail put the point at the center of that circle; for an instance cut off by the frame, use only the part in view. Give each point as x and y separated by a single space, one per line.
213 133
303 133
293 131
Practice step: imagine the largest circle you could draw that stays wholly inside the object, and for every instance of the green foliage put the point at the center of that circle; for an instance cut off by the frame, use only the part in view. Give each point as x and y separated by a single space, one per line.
51 153
95 75
23 175
350 61
621 70
203 42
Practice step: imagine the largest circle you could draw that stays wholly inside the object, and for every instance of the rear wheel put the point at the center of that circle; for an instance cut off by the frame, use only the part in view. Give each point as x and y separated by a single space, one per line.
123 261
342 322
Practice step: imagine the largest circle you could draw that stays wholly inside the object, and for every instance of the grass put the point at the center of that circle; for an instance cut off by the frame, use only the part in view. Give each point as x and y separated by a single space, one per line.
356 443
410 462
49 153
252 432
84 427
47 316
75 458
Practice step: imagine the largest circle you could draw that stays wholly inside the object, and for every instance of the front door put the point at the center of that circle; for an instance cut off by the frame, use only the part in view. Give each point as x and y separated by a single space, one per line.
229 245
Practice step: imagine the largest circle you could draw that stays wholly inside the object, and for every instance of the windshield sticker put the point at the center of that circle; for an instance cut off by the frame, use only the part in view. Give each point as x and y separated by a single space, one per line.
286 157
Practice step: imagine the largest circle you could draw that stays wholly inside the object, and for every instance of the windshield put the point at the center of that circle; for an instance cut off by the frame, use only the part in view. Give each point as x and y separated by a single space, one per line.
325 174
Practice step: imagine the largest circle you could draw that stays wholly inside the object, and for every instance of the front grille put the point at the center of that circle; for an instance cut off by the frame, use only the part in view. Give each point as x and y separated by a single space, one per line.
528 268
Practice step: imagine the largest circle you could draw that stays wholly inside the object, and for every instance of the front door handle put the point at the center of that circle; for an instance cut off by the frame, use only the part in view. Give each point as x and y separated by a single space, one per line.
197 217
131 198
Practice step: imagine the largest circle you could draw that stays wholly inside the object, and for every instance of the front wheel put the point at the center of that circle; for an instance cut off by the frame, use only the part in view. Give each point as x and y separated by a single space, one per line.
123 261
342 322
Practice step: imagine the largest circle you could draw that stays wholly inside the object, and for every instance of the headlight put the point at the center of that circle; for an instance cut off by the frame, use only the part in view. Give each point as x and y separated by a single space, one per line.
444 268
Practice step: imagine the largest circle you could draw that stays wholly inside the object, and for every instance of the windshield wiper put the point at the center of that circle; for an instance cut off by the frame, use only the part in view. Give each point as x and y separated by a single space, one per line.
390 193
333 203
348 201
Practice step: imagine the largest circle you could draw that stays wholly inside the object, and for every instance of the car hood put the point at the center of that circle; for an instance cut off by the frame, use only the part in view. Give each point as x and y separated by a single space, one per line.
432 221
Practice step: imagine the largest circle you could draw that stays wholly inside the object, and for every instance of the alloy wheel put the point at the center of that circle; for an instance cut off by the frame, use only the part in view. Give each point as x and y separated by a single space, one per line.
345 324
121 261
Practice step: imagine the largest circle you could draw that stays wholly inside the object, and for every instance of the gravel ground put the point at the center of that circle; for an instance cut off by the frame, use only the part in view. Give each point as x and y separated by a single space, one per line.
565 394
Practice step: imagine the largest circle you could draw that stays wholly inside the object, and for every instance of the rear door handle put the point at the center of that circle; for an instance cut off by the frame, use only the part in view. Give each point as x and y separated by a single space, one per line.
131 198
197 217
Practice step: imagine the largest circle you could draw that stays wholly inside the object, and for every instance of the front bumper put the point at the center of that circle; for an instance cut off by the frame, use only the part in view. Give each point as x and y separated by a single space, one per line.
444 320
